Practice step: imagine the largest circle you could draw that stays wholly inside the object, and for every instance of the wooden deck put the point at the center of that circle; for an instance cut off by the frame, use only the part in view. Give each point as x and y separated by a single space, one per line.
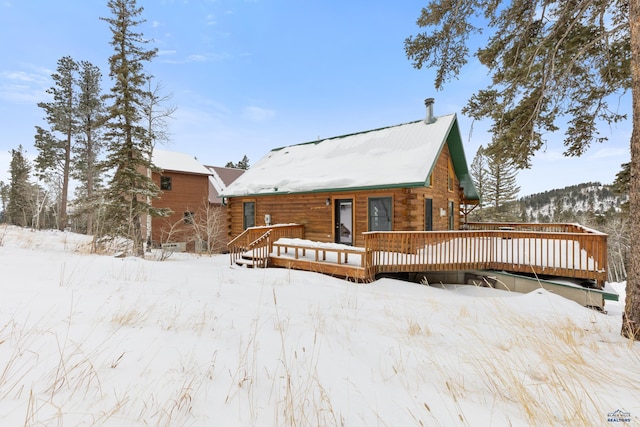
335 260
564 250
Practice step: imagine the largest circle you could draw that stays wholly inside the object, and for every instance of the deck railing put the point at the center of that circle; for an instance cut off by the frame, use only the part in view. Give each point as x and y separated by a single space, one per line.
243 242
567 250
334 259
337 255
529 226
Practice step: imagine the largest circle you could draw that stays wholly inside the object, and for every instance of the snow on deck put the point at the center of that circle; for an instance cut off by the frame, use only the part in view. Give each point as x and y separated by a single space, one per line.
536 252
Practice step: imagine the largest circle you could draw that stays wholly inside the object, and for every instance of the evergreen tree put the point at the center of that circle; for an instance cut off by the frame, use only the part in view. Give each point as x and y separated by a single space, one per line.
501 189
54 153
129 142
242 164
479 174
19 206
88 142
622 183
548 60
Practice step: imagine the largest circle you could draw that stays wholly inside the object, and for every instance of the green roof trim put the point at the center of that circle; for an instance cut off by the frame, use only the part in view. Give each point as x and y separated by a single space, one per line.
460 162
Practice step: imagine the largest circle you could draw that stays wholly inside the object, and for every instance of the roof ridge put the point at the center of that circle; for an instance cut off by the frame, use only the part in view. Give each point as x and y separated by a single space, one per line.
356 133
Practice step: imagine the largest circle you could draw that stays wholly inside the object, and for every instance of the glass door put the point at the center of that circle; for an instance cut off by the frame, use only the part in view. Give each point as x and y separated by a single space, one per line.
344 221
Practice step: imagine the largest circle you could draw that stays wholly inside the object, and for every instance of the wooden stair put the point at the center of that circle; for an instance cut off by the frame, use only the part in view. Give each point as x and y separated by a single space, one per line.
253 246
250 261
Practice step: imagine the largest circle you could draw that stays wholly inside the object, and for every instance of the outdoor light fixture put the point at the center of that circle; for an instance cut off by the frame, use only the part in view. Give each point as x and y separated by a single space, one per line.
328 201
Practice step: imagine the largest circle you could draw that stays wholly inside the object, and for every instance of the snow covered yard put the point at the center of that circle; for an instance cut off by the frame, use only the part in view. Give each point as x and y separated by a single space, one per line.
192 341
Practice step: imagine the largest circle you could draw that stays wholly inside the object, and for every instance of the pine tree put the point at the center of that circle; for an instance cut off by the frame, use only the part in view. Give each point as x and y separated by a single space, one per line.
548 60
622 183
242 164
88 142
129 142
501 189
19 209
54 153
479 174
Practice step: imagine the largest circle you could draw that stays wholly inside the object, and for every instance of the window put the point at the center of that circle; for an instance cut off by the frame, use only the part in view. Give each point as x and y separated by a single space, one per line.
248 214
188 217
428 214
380 214
165 183
451 215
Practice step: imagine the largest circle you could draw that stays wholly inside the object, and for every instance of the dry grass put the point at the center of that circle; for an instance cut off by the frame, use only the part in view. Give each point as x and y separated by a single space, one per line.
20 338
522 367
131 316
548 376
414 329
130 271
74 372
301 400
544 378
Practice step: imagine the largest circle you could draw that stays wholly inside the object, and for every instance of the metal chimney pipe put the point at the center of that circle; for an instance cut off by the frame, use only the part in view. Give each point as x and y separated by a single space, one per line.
430 118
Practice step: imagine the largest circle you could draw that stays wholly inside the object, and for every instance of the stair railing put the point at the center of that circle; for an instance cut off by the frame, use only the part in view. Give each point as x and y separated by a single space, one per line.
241 244
259 250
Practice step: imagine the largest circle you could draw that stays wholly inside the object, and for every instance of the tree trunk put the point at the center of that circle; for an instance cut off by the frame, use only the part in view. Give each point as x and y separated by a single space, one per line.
91 212
631 315
65 181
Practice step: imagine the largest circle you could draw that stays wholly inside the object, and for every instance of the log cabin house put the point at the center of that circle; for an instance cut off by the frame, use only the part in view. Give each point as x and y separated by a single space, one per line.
408 177
395 200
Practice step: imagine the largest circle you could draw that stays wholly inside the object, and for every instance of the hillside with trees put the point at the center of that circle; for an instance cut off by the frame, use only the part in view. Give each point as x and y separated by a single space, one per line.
576 203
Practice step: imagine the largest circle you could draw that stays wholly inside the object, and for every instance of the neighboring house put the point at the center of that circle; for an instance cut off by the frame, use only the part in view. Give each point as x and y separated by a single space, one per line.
409 177
184 183
219 179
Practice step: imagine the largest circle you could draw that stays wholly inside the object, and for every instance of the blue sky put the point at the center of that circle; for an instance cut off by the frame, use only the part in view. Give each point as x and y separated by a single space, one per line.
247 76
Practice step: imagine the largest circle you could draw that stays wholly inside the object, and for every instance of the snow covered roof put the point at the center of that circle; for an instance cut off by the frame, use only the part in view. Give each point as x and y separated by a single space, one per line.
178 162
396 156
